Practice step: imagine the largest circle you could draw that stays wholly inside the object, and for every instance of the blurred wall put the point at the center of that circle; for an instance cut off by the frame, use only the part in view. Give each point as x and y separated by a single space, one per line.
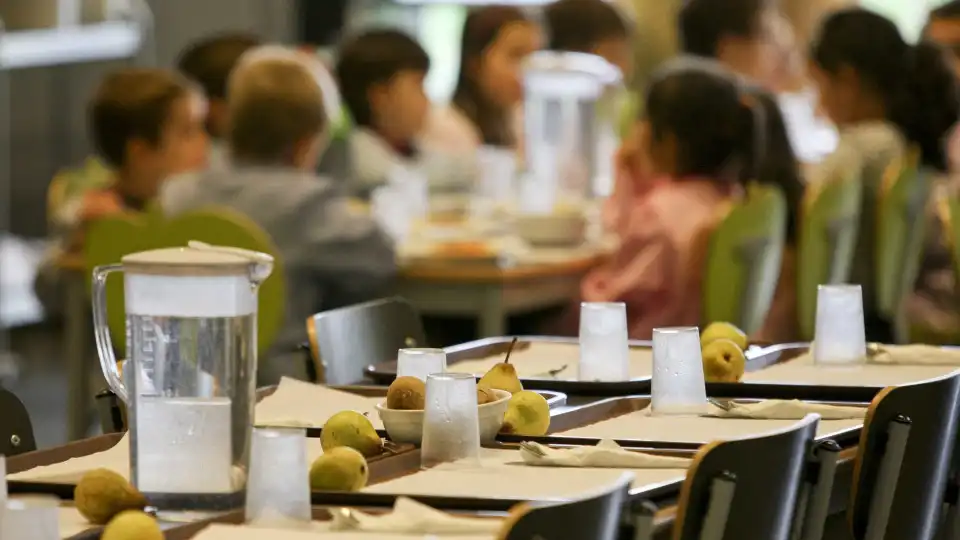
47 113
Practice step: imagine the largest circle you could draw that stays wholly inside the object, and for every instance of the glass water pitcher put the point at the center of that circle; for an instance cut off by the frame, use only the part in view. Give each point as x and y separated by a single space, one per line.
190 376
569 127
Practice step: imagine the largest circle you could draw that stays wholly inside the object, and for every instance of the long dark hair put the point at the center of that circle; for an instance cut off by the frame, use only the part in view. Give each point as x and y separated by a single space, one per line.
778 166
480 31
718 128
915 82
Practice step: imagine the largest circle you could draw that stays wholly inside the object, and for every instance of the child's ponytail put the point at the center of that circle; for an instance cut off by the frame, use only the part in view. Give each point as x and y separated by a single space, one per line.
929 105
751 137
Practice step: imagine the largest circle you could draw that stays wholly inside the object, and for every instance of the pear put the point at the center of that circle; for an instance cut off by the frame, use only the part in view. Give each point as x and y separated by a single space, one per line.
485 395
723 330
102 494
132 525
406 393
528 413
350 428
502 376
341 469
723 361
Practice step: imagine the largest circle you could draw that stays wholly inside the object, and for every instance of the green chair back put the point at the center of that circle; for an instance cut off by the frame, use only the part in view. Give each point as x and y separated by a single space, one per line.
108 240
226 227
900 228
743 260
112 238
827 243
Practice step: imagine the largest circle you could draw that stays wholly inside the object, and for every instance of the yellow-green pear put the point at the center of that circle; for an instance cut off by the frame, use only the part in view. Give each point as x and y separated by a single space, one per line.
132 525
101 494
502 376
723 330
341 469
723 361
528 413
352 429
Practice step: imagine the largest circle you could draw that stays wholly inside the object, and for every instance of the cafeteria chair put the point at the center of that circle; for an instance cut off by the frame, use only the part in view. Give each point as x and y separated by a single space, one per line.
746 488
595 516
900 227
743 258
344 341
828 237
903 461
16 430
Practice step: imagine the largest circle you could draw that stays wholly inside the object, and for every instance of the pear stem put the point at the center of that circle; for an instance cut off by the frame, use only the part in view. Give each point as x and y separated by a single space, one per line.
513 343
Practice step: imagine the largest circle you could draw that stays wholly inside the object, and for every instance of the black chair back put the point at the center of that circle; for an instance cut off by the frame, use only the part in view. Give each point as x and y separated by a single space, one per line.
745 488
344 341
596 517
903 460
16 430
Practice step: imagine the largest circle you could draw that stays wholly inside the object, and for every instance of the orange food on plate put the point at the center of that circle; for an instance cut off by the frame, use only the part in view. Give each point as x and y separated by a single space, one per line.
465 249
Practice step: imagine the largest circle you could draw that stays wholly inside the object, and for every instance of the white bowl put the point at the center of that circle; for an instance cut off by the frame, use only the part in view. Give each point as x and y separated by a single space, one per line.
558 229
405 426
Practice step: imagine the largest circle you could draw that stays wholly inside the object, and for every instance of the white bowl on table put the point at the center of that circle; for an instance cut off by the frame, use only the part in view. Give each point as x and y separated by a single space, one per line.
406 426
560 229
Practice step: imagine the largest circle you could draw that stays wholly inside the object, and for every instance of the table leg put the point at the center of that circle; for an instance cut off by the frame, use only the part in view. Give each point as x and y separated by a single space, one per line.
75 352
493 318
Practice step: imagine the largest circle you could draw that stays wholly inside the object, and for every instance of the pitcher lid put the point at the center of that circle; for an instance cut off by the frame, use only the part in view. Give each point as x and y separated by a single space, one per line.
196 258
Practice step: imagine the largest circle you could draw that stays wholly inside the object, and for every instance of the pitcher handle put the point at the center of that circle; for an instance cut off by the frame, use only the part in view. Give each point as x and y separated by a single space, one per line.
101 330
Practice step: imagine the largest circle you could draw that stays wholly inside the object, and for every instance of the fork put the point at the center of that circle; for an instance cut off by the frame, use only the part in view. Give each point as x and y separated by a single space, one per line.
533 449
344 519
725 406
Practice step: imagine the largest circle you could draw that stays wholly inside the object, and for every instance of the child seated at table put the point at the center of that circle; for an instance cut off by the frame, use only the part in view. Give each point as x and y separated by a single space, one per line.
332 254
381 75
209 63
700 141
885 95
146 125
485 109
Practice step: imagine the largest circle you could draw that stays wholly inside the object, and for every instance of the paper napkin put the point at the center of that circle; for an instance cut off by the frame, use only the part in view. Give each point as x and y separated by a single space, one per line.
606 454
913 355
411 517
778 409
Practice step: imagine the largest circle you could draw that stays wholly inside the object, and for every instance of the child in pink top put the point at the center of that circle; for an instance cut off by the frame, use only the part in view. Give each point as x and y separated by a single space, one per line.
700 142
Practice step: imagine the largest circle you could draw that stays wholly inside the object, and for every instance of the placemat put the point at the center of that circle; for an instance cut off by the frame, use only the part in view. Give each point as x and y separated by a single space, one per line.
303 404
72 523
802 370
540 358
240 532
503 475
641 425
116 459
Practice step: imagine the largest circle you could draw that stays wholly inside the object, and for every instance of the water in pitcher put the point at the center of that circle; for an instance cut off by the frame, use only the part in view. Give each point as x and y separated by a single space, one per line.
191 385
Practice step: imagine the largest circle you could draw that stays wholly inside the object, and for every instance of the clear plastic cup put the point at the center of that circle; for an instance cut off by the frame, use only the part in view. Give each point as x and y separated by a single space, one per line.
33 517
604 350
420 362
678 386
451 427
840 337
278 491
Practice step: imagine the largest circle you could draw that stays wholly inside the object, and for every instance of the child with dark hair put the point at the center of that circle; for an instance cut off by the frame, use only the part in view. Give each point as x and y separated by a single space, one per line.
884 95
146 125
209 63
381 75
593 27
943 28
486 102
737 33
703 138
